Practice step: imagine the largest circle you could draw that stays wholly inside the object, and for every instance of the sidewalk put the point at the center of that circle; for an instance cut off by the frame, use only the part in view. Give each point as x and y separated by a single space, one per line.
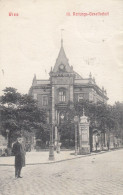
33 158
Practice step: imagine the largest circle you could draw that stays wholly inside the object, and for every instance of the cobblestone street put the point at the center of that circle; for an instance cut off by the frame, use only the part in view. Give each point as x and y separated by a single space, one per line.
93 175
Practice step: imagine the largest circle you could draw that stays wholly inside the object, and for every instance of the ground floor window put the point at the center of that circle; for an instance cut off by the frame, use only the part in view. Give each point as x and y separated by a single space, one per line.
80 97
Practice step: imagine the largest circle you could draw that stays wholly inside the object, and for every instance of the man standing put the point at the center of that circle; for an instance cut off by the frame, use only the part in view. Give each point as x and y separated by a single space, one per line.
18 151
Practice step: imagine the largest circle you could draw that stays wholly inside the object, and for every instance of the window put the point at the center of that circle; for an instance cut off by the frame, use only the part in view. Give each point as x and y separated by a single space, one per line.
90 96
45 100
80 97
62 96
35 96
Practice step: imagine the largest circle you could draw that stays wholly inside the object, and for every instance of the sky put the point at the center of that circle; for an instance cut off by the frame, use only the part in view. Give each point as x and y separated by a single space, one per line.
30 42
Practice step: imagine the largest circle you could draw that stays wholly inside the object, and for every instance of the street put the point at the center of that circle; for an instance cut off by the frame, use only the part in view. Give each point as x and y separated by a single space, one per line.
92 175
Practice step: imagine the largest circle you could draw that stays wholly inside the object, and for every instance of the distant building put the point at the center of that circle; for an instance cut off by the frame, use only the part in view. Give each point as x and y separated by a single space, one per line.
64 86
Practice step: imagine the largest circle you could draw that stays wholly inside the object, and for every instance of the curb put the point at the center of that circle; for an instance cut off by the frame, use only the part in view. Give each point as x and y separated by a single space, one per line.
58 161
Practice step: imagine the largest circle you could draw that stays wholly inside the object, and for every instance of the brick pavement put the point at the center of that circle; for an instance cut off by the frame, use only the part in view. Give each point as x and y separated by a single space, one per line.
93 175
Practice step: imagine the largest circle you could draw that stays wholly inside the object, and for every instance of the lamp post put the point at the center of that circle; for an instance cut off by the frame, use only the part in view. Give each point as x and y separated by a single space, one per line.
76 122
51 146
7 132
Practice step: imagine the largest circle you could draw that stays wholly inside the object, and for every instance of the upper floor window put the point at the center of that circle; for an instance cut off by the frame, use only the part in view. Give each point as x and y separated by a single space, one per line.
44 100
62 96
35 96
91 96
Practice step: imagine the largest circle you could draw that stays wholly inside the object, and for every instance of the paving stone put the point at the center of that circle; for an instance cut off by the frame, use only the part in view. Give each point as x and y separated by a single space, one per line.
76 177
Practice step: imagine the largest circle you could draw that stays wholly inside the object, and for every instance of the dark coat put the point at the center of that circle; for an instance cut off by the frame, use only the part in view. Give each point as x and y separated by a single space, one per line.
19 153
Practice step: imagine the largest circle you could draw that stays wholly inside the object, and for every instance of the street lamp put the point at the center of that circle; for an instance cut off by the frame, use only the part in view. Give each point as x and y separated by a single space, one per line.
75 122
51 146
7 132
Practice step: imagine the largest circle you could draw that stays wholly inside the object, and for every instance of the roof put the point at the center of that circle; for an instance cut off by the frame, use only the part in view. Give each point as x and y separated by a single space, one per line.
77 76
40 82
62 59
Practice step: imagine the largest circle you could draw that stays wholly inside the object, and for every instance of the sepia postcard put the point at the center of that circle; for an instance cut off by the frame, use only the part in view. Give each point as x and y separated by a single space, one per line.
61 97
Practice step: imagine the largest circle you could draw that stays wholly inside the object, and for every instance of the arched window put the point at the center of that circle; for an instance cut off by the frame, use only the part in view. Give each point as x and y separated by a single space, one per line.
62 95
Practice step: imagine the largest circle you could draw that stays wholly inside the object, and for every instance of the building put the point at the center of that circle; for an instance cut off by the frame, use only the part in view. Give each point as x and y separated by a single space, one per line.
64 86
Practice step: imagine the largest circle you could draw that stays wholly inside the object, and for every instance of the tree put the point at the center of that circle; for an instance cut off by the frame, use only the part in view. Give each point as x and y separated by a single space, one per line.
19 114
67 134
101 117
43 135
118 113
66 127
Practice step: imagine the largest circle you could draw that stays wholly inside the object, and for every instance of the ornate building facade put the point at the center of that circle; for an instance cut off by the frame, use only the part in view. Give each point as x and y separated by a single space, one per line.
64 86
